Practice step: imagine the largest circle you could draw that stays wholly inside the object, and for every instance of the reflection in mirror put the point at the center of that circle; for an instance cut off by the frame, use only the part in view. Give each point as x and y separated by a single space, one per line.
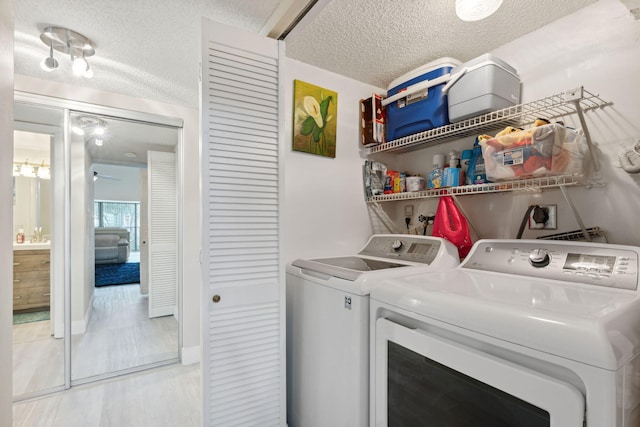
38 356
113 328
109 226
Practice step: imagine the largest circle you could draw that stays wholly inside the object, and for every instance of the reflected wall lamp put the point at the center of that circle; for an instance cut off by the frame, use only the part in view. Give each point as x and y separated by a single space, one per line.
77 46
31 170
475 10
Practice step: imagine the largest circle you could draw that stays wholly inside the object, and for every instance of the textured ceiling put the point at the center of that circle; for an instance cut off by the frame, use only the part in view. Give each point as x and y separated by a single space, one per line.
150 48
377 41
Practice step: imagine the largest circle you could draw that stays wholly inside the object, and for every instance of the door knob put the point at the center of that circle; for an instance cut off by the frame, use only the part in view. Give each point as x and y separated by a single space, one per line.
216 298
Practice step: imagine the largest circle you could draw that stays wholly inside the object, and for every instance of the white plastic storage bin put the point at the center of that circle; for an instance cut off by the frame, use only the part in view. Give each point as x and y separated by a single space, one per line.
480 86
548 150
415 101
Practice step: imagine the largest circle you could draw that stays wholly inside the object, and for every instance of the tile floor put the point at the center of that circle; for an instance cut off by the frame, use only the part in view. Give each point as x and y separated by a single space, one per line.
162 397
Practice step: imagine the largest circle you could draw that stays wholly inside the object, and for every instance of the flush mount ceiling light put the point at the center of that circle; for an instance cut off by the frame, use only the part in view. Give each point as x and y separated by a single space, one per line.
475 10
77 46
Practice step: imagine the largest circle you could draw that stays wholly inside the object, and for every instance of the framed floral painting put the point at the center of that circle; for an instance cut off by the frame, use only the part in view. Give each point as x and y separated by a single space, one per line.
315 113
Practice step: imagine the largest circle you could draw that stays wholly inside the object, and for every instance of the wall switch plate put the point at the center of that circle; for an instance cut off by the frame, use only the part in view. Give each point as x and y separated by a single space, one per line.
550 224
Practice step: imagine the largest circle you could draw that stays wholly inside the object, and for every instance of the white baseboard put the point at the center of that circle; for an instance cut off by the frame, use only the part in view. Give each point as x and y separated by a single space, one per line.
190 355
80 326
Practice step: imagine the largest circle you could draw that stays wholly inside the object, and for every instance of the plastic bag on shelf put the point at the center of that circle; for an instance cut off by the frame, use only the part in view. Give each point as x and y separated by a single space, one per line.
374 174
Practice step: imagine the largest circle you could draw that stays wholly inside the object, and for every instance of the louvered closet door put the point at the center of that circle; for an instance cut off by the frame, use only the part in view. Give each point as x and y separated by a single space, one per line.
162 233
243 280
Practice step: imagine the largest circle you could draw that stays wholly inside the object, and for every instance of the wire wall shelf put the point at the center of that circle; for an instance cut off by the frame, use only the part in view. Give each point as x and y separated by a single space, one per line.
522 185
574 101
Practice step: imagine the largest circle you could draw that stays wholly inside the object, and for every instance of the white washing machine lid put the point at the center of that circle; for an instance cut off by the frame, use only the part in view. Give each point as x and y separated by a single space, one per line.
349 267
384 255
595 325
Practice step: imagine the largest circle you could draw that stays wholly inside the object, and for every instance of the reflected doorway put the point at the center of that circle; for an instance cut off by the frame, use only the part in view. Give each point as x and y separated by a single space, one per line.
38 356
112 329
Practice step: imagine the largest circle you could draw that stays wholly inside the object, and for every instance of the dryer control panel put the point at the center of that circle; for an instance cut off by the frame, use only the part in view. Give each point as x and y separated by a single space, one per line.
422 249
613 266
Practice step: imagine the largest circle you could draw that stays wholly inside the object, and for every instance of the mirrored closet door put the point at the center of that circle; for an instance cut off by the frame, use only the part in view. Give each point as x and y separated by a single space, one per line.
96 256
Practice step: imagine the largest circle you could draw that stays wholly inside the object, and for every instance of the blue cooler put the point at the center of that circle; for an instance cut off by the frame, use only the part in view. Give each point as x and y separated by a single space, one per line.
415 101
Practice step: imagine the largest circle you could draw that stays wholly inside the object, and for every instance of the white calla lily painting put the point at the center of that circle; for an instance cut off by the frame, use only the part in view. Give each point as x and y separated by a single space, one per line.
314 119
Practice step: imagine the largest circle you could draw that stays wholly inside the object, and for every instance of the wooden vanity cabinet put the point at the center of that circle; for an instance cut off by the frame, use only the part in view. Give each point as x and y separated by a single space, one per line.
31 279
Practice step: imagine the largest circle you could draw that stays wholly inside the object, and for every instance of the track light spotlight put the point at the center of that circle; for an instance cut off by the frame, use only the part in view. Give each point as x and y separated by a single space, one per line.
49 63
80 66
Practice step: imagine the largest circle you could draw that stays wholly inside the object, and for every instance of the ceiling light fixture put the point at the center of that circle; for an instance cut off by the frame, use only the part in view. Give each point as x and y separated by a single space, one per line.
475 10
92 128
77 46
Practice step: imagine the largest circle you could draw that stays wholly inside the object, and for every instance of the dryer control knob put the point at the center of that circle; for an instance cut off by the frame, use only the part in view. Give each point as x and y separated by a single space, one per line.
397 244
539 258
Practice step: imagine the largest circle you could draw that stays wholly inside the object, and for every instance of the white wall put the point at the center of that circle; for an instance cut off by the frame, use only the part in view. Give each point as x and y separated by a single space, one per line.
124 187
6 233
191 194
325 213
598 48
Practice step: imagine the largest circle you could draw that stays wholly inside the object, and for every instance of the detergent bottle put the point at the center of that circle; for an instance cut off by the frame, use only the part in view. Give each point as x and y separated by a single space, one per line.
476 170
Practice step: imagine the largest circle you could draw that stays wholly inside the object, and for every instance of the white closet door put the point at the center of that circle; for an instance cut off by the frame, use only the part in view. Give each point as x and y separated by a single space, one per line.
162 233
243 280
144 232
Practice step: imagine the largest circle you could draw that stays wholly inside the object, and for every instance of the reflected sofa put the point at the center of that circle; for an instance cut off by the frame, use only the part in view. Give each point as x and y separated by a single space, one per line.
112 245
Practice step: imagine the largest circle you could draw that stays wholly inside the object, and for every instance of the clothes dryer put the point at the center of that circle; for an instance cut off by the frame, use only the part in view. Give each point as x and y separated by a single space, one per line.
523 333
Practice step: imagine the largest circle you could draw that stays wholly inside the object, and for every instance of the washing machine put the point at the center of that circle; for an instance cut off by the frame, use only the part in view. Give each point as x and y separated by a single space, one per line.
328 325
522 333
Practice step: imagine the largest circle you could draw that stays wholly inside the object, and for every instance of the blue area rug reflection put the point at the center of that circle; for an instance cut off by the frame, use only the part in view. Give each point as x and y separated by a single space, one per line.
117 274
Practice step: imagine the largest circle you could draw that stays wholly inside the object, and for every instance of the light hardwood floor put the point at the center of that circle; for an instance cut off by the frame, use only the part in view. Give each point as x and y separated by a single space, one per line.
162 397
119 336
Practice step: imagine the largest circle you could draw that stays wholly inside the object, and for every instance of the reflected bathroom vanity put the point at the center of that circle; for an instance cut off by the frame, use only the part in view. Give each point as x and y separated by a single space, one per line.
31 276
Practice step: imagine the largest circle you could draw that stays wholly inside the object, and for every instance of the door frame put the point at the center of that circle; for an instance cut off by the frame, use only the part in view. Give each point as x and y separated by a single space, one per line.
69 106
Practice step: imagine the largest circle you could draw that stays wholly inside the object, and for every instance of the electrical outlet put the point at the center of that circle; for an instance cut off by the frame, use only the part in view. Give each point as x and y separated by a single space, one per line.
408 214
551 218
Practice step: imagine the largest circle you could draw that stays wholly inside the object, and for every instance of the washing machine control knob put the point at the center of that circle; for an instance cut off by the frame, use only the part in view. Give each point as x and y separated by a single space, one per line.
397 244
539 258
